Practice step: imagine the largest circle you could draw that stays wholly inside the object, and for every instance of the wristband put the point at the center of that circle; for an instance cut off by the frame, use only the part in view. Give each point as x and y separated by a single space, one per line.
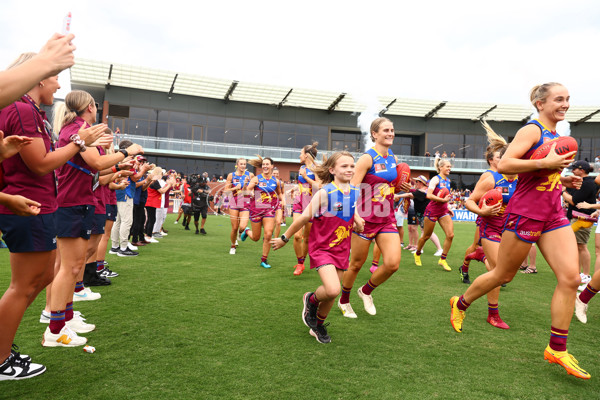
284 238
78 141
114 168
124 152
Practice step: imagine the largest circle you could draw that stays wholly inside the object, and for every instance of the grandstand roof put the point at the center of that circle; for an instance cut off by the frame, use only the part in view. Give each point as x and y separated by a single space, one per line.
103 74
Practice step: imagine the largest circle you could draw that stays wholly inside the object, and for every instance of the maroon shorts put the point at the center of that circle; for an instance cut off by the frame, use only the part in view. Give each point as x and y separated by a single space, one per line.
297 208
530 230
323 257
490 231
239 204
258 213
371 229
434 215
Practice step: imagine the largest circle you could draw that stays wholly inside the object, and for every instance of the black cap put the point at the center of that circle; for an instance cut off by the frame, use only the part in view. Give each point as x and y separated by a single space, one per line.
582 164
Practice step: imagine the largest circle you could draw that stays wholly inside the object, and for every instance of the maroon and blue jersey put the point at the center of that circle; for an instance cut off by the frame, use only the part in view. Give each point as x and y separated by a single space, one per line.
241 180
236 198
506 186
306 190
329 240
436 207
377 192
492 225
265 194
537 197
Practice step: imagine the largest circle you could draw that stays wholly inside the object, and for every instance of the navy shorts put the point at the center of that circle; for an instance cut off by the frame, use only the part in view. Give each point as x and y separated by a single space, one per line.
74 222
98 223
111 212
27 234
411 218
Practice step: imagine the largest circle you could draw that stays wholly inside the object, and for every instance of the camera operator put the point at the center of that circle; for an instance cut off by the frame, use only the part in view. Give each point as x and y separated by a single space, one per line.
200 199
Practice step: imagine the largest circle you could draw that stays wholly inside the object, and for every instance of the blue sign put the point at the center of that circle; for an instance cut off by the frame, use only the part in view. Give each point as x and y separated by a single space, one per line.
464 215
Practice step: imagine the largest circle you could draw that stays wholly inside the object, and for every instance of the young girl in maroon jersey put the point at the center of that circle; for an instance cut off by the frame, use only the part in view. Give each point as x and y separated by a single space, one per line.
535 215
333 209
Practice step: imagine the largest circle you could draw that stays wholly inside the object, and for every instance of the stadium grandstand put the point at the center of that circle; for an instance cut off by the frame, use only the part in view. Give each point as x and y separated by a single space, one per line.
195 124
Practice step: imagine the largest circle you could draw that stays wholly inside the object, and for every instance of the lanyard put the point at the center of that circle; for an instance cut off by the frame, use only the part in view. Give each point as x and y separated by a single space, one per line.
47 126
79 167
47 129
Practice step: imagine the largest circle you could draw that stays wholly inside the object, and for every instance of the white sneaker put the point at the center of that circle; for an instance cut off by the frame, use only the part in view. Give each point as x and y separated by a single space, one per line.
86 295
438 253
131 247
44 317
346 310
585 279
582 276
151 240
367 301
164 233
65 338
176 222
232 250
581 310
236 243
78 325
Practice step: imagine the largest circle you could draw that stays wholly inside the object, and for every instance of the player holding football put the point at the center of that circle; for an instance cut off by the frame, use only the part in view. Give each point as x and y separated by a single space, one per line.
534 214
437 211
491 217
375 172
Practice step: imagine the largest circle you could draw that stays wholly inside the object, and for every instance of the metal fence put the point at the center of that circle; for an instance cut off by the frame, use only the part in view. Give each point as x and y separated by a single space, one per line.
197 149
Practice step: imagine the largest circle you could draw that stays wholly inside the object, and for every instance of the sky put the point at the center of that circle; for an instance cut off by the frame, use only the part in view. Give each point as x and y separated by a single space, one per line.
466 51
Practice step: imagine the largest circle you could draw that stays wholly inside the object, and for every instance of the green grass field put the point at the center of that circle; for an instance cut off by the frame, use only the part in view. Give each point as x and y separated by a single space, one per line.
186 320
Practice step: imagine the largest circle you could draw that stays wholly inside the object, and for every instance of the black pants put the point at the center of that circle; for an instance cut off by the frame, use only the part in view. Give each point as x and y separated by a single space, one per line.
150 221
137 228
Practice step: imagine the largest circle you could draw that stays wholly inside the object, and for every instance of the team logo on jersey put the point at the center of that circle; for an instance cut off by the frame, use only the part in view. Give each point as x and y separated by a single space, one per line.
380 167
262 184
264 197
338 206
341 233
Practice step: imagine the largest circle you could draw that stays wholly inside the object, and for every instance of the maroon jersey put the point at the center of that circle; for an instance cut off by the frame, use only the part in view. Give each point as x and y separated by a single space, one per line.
537 197
25 118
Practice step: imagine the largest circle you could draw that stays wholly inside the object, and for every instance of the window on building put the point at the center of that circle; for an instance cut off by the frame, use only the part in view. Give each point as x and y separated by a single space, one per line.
346 140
